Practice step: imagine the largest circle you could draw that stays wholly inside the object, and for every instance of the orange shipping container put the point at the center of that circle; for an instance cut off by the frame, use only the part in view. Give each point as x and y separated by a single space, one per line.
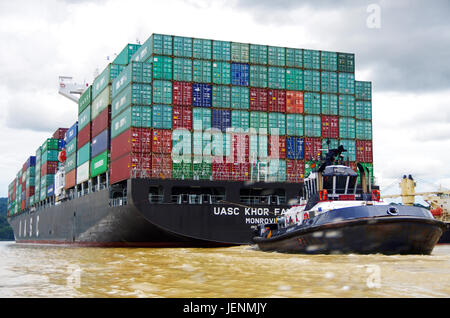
70 179
294 102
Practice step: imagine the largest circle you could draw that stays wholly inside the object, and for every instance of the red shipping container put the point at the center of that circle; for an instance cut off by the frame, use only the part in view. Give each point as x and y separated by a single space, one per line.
29 191
22 205
161 141
330 127
84 136
162 166
24 167
240 171
295 170
50 167
312 148
133 140
294 102
221 169
60 133
258 99
182 117
364 152
101 122
70 179
182 93
132 165
240 148
280 142
276 100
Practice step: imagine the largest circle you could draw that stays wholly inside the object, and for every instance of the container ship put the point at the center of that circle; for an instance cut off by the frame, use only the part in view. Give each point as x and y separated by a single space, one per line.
191 142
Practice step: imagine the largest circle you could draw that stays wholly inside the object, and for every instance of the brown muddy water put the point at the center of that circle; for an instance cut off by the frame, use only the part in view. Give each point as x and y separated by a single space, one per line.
233 272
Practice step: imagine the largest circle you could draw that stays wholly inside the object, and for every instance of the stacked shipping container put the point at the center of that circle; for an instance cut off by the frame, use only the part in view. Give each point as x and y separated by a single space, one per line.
160 110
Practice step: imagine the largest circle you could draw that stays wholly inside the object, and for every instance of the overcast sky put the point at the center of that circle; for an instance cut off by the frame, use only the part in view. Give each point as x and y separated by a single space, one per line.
402 46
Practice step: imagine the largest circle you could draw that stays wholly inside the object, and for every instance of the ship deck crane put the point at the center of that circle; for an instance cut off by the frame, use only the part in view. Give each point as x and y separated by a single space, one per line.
439 200
68 88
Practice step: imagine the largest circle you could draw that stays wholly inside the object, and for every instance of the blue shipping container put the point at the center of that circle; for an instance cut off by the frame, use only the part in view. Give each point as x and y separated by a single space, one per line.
201 95
51 190
221 119
71 133
100 143
61 144
31 162
240 74
294 148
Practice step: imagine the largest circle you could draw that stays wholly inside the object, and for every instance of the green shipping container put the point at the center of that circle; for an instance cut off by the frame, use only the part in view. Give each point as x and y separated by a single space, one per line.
240 52
240 97
201 71
162 117
162 92
162 67
106 78
201 143
85 99
182 170
135 116
277 123
276 77
258 76
258 54
258 121
156 44
277 170
363 90
136 72
329 82
240 119
84 154
101 102
328 61
294 125
201 118
347 105
71 147
182 46
277 56
347 128
202 167
346 83
329 104
49 144
71 162
133 94
294 79
99 164
221 73
258 147
346 62
350 146
182 69
334 144
84 118
124 57
313 126
311 59
363 130
311 81
181 143
202 49
294 57
221 51
363 110
221 96
49 155
312 103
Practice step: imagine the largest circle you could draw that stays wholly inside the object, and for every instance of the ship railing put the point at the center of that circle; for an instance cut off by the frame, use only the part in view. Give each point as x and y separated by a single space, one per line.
197 198
155 198
118 202
263 199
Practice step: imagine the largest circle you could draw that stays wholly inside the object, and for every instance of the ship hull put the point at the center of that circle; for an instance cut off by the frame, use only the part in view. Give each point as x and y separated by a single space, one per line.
445 238
403 234
90 220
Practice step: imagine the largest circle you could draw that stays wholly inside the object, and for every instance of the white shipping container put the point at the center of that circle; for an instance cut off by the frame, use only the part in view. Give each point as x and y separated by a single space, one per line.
83 172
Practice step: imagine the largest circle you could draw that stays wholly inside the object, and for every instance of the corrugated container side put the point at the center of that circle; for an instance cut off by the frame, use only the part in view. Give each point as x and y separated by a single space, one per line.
330 126
294 57
240 97
258 54
311 59
329 103
201 71
182 69
312 148
182 93
162 67
221 51
202 49
258 76
124 57
221 96
85 99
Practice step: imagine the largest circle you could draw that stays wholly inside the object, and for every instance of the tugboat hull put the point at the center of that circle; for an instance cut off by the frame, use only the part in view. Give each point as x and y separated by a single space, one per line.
384 235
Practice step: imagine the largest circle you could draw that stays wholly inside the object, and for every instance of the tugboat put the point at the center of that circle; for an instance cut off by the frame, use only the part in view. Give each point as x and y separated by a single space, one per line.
342 216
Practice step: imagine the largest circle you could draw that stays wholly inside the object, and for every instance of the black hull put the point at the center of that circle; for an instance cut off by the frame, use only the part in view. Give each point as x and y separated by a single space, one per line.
445 238
90 220
360 230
